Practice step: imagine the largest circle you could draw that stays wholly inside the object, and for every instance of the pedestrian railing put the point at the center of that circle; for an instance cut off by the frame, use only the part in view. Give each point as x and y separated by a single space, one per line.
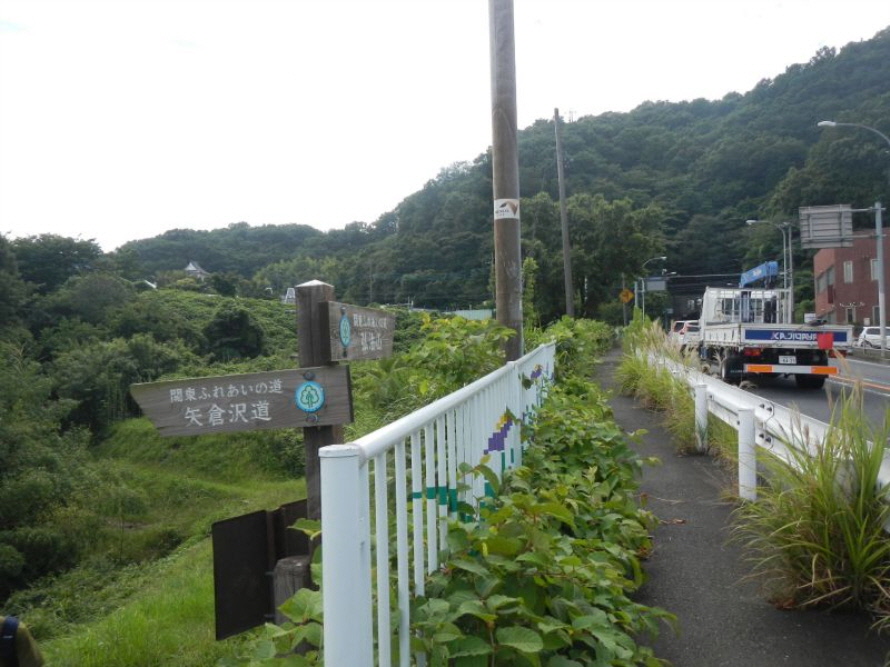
410 473
760 423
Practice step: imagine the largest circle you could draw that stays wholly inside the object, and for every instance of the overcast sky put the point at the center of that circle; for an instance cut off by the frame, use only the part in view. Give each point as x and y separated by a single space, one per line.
121 119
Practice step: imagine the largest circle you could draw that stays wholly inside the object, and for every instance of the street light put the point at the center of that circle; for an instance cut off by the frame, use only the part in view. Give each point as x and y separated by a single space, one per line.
643 281
879 235
787 262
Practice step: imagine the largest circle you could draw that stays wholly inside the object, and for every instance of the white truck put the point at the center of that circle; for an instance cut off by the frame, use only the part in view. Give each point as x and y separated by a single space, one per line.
748 332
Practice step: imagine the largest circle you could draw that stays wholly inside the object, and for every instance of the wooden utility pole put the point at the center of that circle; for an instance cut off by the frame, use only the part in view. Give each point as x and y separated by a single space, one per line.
564 221
505 174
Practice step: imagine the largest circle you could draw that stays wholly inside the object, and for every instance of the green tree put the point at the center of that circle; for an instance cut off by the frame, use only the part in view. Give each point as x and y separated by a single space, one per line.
48 260
610 239
91 297
12 288
234 333
40 469
97 377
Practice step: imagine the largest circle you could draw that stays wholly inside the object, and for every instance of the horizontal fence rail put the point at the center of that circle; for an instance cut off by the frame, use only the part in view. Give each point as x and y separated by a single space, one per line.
760 422
409 470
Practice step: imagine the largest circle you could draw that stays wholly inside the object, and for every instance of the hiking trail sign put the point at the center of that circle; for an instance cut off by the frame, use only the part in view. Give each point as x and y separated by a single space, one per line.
355 333
290 398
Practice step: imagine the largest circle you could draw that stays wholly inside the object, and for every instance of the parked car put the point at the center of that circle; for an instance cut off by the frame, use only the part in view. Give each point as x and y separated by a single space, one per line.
685 333
870 337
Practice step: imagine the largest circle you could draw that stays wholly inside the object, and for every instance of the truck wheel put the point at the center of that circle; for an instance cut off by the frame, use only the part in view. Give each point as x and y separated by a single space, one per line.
730 370
810 381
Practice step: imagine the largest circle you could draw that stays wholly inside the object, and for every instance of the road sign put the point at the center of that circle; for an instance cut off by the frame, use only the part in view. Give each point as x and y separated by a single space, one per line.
626 295
355 333
826 226
276 399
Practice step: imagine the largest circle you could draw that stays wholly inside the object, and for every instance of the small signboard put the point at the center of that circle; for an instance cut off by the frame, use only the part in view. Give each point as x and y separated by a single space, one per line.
355 333
276 399
655 284
826 226
626 295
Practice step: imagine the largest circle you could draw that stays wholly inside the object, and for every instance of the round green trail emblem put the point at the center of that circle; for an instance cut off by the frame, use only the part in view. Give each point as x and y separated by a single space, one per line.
309 397
345 331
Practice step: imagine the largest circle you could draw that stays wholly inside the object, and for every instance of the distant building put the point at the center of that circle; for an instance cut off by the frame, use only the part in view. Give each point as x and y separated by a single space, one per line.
195 271
847 281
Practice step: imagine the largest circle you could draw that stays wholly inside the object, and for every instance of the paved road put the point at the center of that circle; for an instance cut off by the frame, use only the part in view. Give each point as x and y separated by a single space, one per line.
695 573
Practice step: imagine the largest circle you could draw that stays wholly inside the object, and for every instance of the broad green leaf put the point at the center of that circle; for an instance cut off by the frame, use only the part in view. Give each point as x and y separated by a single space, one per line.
596 618
477 609
522 639
491 477
562 661
312 527
498 601
469 566
447 632
504 546
305 604
264 650
557 511
469 646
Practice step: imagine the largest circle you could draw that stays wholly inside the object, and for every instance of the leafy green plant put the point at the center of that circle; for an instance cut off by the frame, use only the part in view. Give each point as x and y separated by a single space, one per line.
544 573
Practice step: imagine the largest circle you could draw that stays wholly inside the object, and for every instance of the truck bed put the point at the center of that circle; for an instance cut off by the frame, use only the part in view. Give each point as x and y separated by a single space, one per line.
786 336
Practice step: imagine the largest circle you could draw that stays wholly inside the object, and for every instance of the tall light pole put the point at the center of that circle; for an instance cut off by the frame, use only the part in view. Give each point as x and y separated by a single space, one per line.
643 291
787 261
879 235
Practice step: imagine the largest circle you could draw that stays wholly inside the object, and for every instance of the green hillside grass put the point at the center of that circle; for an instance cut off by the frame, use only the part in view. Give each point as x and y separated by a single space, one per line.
145 596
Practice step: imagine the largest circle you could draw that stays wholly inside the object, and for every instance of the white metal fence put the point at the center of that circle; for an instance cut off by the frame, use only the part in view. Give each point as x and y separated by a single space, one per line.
759 422
409 469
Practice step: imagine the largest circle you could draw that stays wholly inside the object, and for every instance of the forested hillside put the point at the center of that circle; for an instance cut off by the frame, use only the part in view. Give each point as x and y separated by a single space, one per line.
667 178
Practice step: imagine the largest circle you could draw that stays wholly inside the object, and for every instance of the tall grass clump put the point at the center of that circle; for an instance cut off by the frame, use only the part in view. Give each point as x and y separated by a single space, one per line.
654 385
818 533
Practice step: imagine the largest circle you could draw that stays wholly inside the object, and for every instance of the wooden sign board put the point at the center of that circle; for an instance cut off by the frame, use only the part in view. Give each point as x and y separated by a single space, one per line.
277 399
356 334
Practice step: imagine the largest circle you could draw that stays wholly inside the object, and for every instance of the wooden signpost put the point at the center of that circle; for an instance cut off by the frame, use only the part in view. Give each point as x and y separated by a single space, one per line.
275 399
316 398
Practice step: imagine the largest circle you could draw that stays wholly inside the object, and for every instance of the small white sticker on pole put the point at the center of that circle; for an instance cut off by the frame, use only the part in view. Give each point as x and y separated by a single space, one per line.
506 209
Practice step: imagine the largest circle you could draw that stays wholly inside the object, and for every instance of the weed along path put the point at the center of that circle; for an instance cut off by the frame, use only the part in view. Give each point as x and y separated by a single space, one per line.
696 573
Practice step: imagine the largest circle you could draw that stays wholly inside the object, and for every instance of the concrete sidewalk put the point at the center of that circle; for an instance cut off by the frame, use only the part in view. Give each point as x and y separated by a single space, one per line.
695 573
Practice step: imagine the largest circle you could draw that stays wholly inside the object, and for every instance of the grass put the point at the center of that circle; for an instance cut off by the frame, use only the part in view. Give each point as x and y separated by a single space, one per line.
818 532
167 620
144 593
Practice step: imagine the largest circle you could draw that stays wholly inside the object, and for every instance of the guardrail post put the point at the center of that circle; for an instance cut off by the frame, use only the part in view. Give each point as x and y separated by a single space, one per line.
701 416
346 564
747 455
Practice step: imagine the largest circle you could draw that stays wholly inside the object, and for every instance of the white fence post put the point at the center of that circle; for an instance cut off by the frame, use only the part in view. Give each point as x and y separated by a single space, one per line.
701 416
346 576
747 455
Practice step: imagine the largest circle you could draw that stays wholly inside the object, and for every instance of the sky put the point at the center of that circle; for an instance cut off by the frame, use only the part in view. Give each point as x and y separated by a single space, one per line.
122 119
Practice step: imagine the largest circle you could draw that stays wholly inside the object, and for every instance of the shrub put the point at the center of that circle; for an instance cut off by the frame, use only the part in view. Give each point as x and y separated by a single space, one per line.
545 572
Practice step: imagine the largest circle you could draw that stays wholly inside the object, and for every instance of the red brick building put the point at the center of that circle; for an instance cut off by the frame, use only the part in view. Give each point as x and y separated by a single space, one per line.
847 281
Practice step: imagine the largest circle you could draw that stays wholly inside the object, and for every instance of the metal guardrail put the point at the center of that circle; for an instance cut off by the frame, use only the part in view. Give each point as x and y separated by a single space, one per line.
760 422
417 460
